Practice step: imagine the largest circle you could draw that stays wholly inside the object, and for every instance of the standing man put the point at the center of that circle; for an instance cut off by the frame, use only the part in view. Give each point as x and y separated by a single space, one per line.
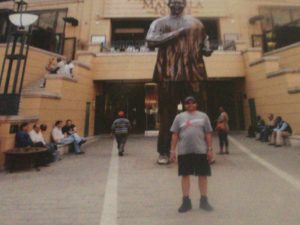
192 132
182 42
120 129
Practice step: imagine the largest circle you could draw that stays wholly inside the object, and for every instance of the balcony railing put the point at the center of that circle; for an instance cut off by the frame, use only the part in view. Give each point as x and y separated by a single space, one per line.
141 46
282 36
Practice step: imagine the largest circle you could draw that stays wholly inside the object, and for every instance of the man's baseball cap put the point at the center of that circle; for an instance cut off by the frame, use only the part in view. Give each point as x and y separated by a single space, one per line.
121 114
190 99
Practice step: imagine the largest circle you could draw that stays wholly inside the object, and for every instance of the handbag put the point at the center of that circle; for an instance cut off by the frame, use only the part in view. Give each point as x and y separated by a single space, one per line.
220 126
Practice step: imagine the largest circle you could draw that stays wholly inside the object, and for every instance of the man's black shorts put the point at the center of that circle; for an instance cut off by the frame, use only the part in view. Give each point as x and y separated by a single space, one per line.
193 164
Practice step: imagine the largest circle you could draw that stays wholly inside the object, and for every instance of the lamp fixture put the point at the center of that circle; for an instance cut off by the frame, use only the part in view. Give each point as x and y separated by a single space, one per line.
21 19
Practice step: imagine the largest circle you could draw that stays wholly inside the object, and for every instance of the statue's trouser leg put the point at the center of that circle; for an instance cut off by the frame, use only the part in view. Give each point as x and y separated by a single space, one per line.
169 98
170 95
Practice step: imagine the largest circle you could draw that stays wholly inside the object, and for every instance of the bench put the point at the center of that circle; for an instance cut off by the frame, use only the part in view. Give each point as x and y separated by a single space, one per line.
64 149
23 158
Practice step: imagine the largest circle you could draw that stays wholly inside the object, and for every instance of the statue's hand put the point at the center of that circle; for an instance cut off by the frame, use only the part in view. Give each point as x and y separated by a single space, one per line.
182 31
207 52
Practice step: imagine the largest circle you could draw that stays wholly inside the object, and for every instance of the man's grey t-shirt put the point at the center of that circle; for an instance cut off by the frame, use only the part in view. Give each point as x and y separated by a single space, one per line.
192 129
121 126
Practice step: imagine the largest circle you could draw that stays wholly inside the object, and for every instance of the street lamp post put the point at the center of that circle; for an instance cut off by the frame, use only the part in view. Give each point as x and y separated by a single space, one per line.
15 59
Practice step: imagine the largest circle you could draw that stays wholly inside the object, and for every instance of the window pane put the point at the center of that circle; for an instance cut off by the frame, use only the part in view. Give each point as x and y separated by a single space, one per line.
296 14
47 20
267 21
60 22
281 16
3 26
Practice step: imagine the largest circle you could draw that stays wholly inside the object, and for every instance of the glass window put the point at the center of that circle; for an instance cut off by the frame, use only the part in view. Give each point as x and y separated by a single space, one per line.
47 20
295 14
3 28
267 22
151 106
60 26
281 16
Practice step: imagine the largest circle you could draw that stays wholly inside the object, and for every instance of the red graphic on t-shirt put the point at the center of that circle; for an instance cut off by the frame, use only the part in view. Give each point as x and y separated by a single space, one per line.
188 124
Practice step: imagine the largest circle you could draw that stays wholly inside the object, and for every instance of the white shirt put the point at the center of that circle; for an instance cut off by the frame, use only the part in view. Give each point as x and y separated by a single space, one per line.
57 134
61 65
37 137
68 69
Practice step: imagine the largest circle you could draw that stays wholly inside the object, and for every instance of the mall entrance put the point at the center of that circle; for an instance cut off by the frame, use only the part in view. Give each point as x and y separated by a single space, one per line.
139 100
116 96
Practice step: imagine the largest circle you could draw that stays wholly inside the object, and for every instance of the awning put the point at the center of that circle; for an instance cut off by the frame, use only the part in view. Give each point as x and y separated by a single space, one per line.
73 21
254 19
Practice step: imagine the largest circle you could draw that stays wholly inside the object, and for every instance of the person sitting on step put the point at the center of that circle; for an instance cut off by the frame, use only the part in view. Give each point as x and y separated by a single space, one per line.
280 132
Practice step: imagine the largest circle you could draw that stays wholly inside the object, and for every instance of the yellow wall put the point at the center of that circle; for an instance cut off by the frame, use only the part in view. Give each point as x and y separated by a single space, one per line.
36 63
71 105
271 94
74 94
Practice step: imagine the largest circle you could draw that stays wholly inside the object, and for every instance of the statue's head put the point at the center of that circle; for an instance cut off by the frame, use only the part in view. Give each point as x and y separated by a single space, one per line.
177 6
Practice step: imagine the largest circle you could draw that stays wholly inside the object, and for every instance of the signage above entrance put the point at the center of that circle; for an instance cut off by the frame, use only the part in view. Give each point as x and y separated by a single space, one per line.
160 6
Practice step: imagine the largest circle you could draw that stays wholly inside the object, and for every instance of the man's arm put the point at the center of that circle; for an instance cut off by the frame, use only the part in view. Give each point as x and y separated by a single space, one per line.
209 141
283 127
173 146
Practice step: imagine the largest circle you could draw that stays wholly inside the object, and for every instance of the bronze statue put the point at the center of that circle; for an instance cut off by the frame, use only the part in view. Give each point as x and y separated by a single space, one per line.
182 43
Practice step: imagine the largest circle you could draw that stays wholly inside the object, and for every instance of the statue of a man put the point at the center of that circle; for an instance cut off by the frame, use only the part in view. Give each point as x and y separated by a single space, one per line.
182 43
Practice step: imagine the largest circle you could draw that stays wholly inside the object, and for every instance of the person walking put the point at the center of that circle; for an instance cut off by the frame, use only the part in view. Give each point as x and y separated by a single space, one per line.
192 132
120 128
223 130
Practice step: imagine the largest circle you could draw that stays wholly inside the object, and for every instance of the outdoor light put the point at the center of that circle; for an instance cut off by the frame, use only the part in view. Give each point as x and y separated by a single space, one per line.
21 19
15 59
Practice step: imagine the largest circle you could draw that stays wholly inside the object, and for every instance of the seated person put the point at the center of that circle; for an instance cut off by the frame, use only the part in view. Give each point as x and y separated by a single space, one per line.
51 66
256 127
38 139
266 132
70 130
67 129
22 137
80 140
60 138
23 140
36 136
281 131
69 66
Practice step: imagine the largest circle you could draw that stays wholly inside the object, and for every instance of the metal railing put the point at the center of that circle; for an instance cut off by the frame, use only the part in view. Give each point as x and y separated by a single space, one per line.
141 46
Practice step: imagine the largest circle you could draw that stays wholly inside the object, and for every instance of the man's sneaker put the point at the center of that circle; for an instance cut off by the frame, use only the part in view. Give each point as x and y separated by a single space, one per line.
186 205
205 205
82 142
79 153
163 160
121 153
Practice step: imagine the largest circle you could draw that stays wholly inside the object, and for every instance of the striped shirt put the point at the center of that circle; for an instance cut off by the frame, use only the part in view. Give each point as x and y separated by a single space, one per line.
121 126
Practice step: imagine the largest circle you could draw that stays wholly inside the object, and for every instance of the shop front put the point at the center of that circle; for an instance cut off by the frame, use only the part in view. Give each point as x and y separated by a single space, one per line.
139 100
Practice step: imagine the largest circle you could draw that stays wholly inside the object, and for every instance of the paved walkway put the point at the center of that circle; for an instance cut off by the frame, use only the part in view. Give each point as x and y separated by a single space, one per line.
257 184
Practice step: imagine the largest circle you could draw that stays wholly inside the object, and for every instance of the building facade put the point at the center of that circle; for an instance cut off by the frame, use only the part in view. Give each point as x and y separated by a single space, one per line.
253 71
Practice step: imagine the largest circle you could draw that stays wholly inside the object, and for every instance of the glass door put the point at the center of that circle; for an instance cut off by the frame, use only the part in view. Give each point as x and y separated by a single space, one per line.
151 107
